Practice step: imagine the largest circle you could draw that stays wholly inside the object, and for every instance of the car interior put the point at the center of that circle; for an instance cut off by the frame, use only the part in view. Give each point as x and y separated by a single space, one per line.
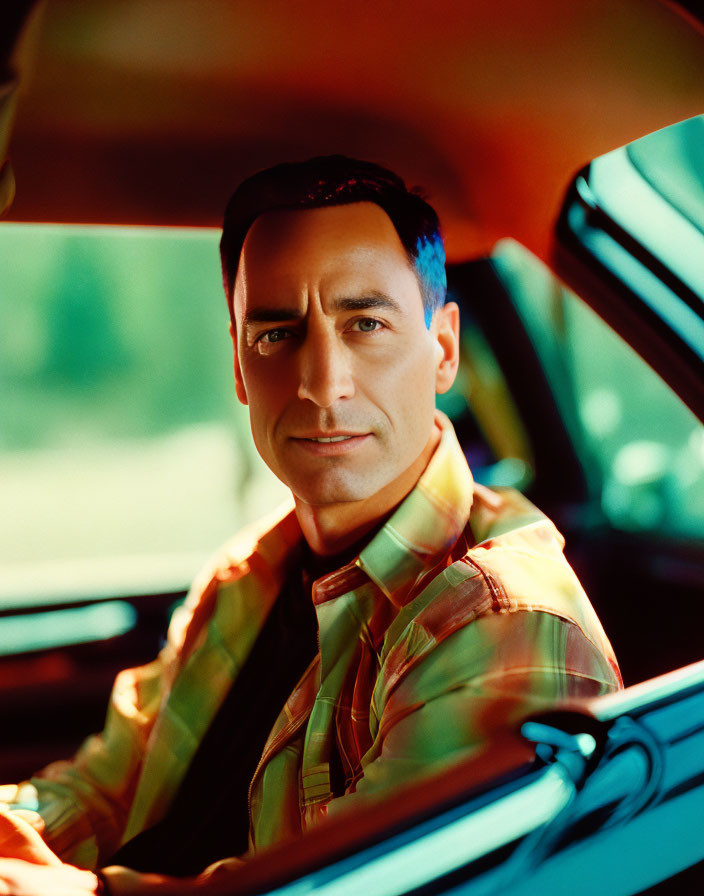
125 457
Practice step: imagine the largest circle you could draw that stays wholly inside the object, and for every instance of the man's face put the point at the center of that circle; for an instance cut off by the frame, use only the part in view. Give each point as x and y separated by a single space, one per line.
332 353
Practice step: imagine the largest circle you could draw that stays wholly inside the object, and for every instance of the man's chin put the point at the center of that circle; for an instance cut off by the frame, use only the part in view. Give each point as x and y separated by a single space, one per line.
318 492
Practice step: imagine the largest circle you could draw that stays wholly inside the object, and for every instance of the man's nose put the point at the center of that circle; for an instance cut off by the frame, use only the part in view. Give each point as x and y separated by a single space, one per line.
325 375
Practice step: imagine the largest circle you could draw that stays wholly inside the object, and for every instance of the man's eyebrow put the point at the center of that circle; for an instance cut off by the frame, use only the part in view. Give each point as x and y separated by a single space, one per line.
371 300
271 315
361 303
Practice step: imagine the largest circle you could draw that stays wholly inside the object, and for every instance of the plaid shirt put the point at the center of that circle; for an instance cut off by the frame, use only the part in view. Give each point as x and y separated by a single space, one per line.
460 616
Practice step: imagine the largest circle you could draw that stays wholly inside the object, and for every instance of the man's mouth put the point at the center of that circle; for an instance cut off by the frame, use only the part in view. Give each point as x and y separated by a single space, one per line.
331 445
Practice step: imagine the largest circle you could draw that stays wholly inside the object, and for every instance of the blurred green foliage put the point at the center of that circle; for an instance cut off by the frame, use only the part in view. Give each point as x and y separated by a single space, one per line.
126 457
123 331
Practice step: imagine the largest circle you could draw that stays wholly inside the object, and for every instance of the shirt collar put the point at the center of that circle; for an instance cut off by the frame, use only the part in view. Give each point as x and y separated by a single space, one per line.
427 522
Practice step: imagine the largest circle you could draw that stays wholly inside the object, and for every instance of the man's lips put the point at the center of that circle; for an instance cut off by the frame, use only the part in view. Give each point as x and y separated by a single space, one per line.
333 436
330 443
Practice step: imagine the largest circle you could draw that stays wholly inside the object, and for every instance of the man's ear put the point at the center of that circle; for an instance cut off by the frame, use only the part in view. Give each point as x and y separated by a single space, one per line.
446 329
239 382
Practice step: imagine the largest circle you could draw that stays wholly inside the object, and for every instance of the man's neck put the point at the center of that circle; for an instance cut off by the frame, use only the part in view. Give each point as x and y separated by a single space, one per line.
331 528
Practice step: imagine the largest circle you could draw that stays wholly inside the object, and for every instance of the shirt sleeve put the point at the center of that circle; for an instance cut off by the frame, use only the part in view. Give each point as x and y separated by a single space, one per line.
467 697
85 802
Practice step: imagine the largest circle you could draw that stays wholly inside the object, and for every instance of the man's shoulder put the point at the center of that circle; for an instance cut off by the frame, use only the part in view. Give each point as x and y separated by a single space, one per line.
507 572
508 560
270 538
505 513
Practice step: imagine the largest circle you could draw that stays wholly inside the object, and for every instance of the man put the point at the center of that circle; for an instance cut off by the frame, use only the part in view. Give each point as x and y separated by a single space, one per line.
404 615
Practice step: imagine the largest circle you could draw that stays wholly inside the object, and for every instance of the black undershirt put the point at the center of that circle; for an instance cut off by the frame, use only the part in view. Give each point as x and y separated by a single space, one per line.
209 816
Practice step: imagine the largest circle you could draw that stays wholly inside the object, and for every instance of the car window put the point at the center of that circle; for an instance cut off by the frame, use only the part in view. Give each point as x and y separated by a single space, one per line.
126 458
646 445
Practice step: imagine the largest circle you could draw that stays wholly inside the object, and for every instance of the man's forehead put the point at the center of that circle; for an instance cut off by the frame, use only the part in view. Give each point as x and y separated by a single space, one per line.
319 235
345 252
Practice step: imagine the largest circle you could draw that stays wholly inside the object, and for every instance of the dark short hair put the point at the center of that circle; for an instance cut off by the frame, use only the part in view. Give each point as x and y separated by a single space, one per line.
338 180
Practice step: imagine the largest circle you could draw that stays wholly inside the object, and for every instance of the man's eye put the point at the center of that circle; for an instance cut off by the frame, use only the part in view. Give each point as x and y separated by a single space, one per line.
368 324
273 336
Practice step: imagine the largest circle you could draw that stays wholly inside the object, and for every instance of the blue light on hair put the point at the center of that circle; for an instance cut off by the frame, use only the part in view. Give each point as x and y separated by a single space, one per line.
430 268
